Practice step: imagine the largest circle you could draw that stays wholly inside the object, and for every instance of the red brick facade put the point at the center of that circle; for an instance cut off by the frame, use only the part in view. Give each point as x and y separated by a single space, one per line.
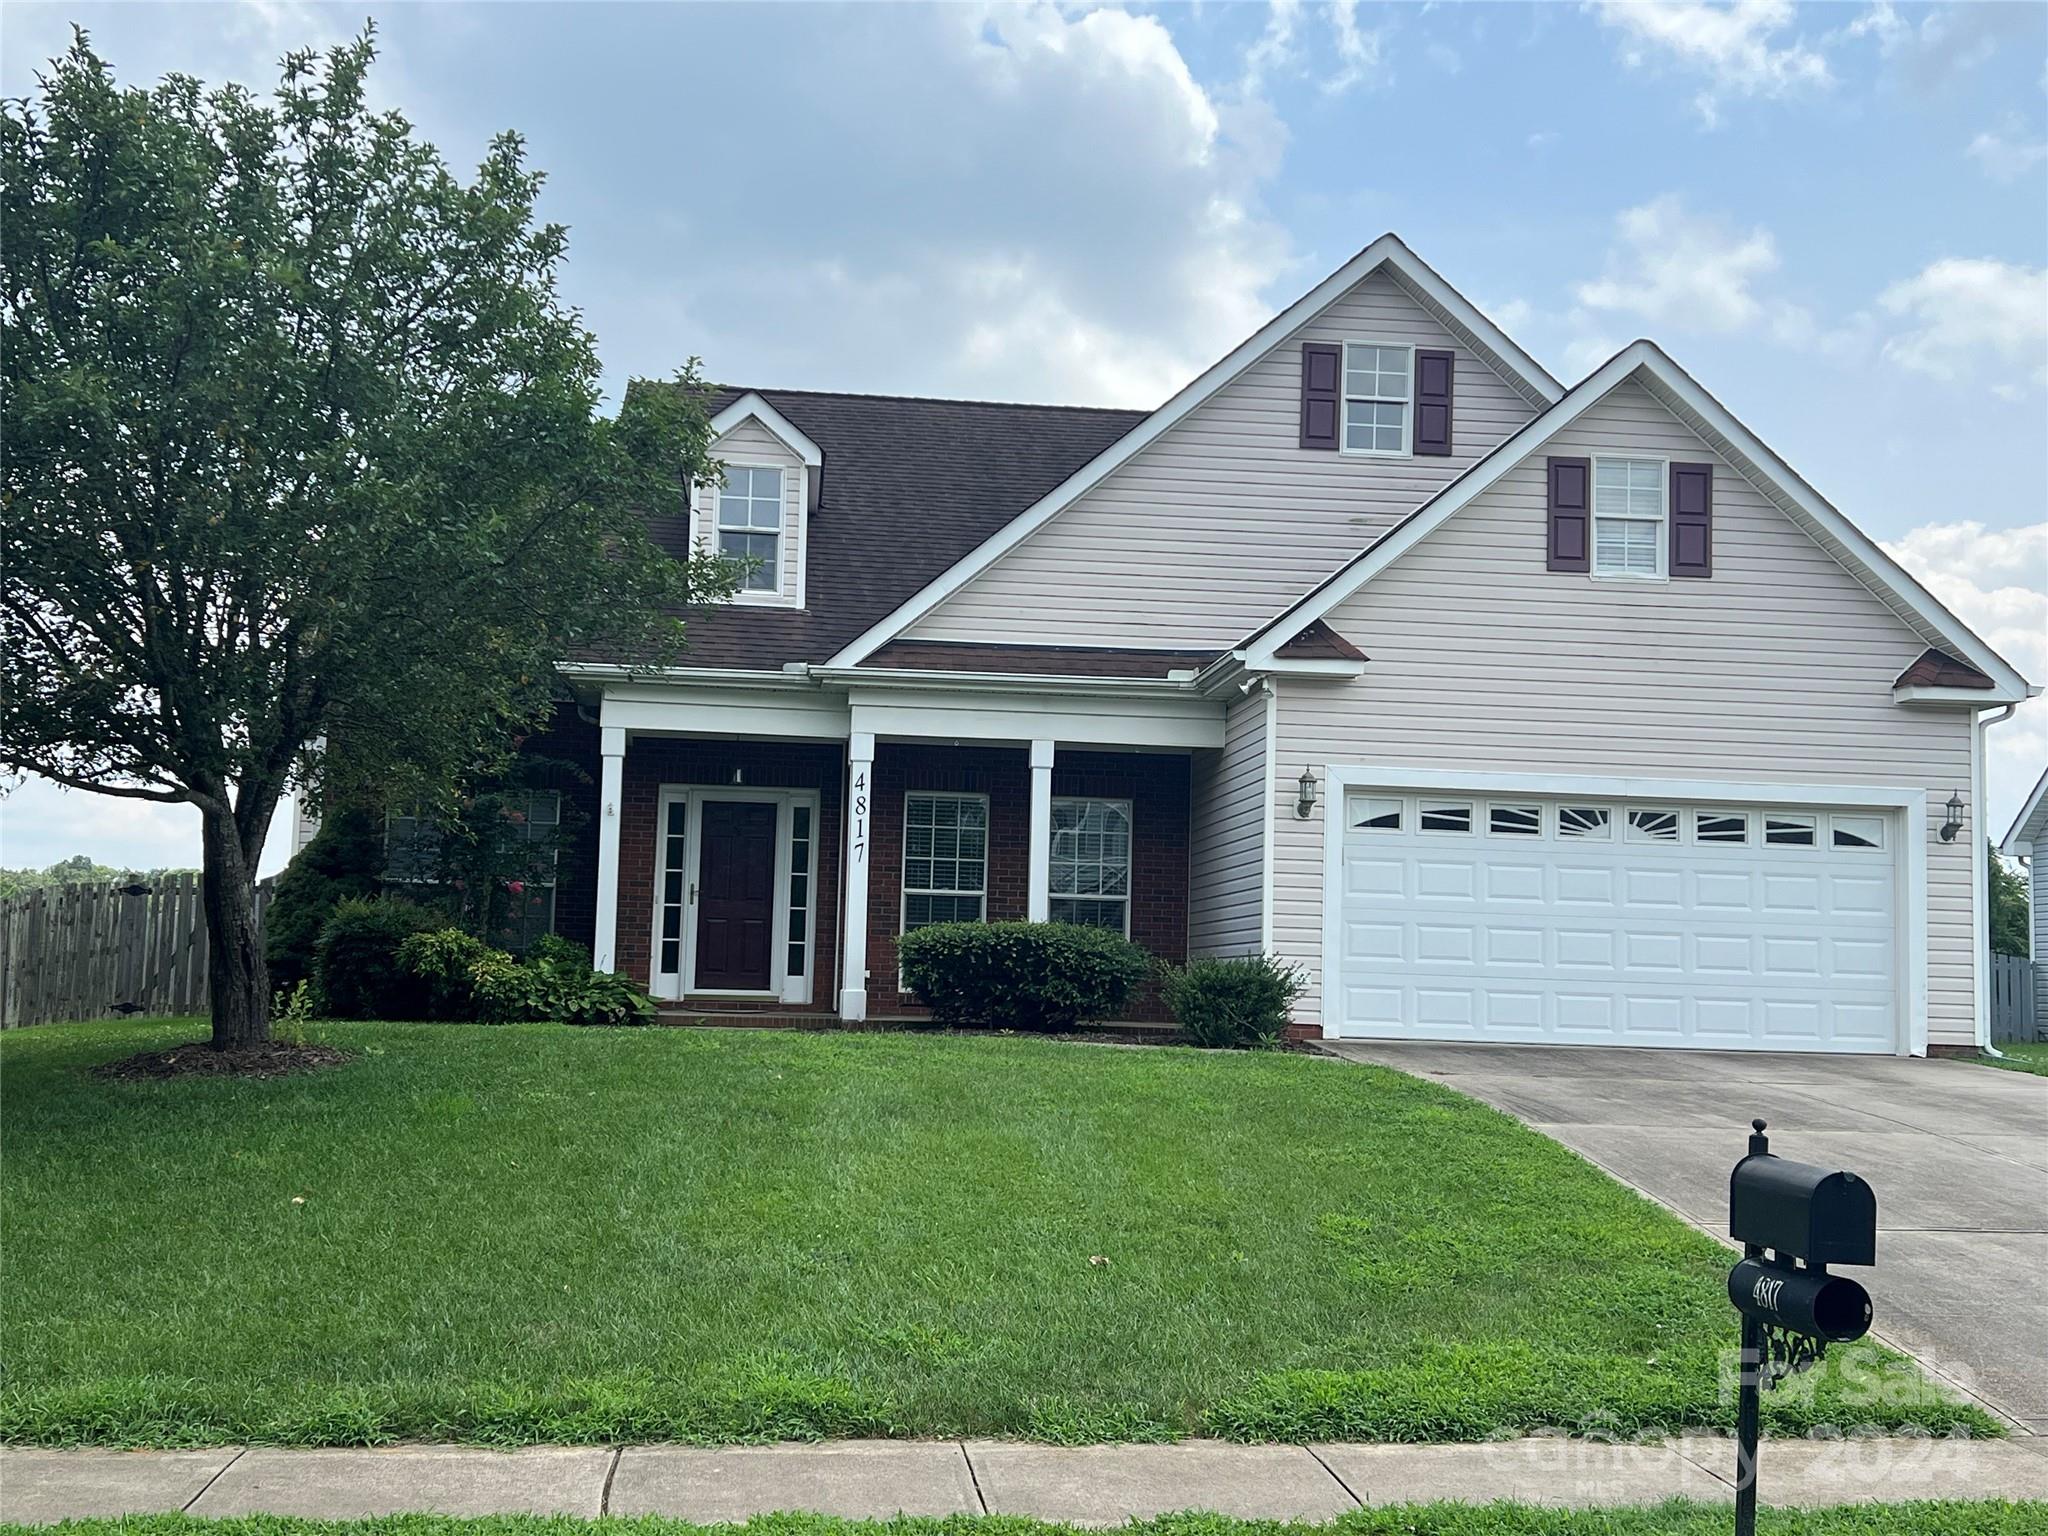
1157 785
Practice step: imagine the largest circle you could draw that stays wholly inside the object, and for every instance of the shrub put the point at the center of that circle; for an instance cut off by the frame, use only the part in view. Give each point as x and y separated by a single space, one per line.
606 998
344 859
1234 1004
359 972
467 979
1021 975
444 959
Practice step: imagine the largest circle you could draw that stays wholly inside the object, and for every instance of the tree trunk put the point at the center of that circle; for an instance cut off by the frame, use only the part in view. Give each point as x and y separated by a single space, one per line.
239 980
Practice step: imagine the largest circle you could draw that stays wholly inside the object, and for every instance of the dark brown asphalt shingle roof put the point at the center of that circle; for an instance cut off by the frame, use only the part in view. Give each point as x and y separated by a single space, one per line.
910 485
1938 669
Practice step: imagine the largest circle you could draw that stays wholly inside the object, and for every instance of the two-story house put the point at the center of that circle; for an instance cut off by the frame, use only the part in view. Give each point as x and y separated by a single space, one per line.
1510 711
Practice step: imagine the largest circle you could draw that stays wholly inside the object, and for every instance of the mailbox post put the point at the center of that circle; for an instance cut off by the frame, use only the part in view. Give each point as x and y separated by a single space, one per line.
1793 1221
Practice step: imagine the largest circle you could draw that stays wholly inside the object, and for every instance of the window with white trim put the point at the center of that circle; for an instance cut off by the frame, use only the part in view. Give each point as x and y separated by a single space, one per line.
945 858
1091 864
749 519
537 818
1444 816
1628 517
1378 384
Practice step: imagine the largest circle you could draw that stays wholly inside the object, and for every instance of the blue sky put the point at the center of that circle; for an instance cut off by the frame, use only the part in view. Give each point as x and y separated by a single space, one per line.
1835 216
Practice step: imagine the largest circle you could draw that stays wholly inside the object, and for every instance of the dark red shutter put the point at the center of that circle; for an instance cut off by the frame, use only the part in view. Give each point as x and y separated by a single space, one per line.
1433 375
1322 387
1692 520
1571 514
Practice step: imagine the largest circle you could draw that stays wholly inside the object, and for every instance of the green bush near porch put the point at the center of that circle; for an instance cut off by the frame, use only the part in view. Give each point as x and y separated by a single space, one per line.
524 1233
1030 976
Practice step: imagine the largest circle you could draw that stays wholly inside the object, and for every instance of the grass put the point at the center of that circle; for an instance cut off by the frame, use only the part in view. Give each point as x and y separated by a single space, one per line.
542 1234
2031 1057
1974 1518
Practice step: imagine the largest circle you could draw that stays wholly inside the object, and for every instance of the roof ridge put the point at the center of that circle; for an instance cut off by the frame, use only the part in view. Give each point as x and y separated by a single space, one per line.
863 394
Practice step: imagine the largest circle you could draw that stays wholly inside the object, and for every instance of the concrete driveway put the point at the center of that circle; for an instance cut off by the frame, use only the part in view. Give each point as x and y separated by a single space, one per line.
1958 1154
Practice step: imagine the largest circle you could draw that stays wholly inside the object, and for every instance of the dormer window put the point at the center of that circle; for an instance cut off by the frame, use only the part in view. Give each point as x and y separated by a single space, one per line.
750 524
1378 390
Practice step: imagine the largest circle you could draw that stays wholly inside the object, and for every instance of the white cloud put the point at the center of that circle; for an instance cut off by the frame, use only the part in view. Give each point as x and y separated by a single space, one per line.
1737 47
41 822
2004 156
1972 317
1995 581
1282 51
1674 268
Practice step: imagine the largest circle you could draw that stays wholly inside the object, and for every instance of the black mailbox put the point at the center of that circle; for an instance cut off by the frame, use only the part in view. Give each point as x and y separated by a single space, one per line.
1801 1212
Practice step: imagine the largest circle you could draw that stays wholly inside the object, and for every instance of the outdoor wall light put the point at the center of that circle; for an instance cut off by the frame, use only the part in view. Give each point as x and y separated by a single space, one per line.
1305 806
1954 824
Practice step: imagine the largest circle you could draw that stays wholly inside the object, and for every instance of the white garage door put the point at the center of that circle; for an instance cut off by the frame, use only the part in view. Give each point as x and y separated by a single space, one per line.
1593 921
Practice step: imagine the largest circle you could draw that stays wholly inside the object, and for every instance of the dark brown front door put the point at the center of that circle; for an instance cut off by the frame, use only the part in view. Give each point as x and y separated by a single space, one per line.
735 895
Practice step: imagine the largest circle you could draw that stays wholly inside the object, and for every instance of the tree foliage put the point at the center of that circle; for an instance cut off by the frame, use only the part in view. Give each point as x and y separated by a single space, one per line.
302 445
2009 906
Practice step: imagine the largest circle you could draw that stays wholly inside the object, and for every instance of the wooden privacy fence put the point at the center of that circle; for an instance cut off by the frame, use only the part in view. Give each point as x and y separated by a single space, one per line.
2015 1018
91 951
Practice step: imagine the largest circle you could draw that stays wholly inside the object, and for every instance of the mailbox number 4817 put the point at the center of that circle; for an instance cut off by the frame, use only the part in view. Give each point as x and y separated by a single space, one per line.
1766 1291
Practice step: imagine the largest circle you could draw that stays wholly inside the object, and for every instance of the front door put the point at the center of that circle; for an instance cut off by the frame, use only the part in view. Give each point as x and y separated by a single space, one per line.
735 896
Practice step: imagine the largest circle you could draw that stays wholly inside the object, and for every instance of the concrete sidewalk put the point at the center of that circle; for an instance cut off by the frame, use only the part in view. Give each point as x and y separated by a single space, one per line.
1102 1484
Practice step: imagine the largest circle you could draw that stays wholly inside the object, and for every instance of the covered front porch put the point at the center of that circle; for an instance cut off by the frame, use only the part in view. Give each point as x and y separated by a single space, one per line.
760 850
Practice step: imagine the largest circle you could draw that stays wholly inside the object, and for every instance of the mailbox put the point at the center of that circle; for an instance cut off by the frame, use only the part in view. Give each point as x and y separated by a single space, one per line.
1801 1212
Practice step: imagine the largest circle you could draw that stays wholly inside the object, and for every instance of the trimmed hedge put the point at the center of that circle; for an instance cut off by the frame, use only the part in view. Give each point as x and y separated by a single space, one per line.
1034 976
1241 1003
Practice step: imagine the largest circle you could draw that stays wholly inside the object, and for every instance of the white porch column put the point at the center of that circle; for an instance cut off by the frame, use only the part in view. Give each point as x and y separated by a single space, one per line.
1038 882
853 918
611 790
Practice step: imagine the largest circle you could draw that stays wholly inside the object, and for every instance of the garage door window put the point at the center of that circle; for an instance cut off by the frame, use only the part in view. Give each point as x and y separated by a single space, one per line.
1515 820
1720 827
1785 831
1374 815
1859 831
1652 826
1584 821
1444 816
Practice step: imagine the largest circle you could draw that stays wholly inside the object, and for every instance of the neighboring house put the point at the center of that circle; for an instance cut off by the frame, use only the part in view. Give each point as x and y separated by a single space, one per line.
2028 841
1510 712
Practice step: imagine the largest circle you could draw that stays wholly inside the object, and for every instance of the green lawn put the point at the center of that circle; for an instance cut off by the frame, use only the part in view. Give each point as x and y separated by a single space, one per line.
2021 1058
545 1234
1982 1518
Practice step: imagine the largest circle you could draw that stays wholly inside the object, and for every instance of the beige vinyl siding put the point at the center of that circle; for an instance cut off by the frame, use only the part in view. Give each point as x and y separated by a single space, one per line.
754 445
1779 669
1227 858
2037 889
1226 519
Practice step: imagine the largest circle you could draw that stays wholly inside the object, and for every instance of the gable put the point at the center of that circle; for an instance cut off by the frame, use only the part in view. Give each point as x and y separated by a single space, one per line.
1643 369
1780 620
1225 518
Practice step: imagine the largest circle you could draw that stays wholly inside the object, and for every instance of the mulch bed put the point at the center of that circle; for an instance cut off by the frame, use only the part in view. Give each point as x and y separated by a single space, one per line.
199 1059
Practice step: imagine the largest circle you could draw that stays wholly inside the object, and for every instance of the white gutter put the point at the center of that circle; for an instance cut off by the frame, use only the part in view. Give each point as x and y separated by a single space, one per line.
1980 874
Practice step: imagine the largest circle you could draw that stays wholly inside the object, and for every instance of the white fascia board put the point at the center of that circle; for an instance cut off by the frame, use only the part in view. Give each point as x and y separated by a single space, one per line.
715 677
2031 823
1928 693
1315 666
791 437
1848 543
1530 377
1002 682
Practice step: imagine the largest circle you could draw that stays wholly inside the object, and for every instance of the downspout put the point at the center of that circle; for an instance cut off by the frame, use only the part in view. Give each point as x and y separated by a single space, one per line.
1980 874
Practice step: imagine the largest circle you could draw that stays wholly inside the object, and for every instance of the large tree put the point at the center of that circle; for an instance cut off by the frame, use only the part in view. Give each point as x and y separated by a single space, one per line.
301 443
